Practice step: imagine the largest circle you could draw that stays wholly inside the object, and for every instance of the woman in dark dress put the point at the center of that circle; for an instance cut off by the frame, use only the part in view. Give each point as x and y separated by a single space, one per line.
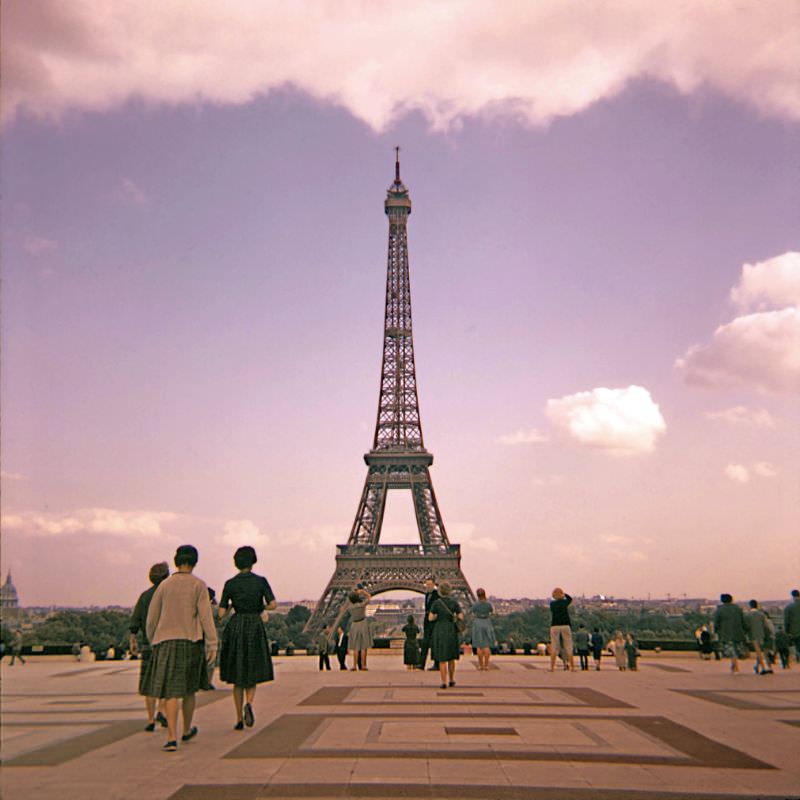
244 657
411 645
445 646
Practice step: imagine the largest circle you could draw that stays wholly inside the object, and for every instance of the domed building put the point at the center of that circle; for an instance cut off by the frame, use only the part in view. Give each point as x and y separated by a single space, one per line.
9 600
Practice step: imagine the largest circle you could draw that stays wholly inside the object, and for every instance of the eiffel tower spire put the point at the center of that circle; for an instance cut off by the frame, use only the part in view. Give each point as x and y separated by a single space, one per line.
398 458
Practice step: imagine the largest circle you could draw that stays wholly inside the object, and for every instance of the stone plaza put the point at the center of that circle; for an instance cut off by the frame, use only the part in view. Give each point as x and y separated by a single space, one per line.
680 727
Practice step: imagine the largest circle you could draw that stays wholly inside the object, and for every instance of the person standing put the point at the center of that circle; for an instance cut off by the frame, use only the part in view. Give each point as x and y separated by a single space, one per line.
757 627
323 646
791 622
560 628
582 646
431 596
597 648
410 645
445 647
617 647
360 636
729 623
343 640
483 636
782 644
158 573
631 652
178 619
244 658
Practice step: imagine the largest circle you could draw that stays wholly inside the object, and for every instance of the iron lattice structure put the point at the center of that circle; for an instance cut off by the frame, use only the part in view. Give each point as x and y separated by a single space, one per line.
398 459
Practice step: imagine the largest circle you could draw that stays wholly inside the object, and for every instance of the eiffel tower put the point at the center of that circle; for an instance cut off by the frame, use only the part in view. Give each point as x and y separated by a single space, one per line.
398 459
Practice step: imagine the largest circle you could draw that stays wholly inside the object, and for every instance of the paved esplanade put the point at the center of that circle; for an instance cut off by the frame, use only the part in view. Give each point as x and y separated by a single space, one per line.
680 727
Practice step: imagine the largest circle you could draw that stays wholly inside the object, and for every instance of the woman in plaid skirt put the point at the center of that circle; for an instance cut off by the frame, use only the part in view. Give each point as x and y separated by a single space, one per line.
245 659
178 619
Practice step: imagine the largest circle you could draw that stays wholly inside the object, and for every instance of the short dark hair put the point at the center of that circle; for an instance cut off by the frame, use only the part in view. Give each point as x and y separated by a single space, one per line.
795 592
186 555
726 598
158 572
244 557
753 604
410 618
355 597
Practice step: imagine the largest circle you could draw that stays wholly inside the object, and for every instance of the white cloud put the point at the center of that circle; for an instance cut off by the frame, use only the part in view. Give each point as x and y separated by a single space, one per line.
761 350
133 524
627 555
741 415
448 59
130 193
318 538
463 533
531 436
614 538
765 469
621 421
738 473
770 284
39 245
240 532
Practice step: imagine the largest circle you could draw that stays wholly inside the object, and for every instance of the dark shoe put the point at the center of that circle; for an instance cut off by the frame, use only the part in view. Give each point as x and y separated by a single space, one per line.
431 669
239 726
249 719
452 683
443 686
170 747
150 727
161 720
192 733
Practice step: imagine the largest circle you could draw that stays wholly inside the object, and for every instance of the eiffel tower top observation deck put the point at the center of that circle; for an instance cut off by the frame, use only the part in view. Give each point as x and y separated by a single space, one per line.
398 427
398 458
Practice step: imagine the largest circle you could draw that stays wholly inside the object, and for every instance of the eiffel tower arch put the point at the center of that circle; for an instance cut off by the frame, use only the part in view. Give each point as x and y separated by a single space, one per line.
398 459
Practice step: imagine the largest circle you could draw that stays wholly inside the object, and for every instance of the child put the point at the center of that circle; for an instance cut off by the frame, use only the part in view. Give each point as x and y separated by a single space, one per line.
632 652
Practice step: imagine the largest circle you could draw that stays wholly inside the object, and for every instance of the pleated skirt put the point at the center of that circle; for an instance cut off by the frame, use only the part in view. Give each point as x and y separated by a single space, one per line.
244 658
176 668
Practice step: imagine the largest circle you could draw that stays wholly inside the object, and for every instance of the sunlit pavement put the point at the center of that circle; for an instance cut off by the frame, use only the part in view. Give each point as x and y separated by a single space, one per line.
679 727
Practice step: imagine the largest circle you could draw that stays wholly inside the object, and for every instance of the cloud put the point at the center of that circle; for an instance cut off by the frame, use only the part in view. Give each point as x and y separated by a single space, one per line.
613 538
132 524
130 193
761 350
240 532
12 476
536 61
621 421
463 533
738 473
765 469
531 436
740 415
39 246
770 284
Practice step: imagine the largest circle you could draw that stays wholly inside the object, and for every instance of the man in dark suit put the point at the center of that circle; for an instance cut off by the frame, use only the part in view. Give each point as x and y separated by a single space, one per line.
431 596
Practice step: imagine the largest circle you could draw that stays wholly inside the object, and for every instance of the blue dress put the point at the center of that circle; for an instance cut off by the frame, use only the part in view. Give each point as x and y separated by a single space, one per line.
482 628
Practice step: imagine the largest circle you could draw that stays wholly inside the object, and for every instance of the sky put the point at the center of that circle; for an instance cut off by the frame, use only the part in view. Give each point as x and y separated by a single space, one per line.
605 271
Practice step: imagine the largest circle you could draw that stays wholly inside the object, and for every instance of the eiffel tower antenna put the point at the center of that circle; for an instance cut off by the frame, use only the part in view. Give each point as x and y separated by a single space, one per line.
398 458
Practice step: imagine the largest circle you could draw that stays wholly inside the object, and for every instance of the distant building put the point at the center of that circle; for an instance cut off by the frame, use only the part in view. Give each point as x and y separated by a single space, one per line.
9 600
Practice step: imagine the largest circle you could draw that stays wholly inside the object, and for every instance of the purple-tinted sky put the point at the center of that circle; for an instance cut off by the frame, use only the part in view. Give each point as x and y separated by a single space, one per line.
604 276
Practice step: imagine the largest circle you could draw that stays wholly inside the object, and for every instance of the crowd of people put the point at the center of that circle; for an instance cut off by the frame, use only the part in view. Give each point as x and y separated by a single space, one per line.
174 632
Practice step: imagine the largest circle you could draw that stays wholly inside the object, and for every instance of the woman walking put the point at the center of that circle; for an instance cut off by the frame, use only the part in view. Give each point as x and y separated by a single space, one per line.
178 619
411 645
245 660
483 636
446 612
158 573
360 638
617 647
